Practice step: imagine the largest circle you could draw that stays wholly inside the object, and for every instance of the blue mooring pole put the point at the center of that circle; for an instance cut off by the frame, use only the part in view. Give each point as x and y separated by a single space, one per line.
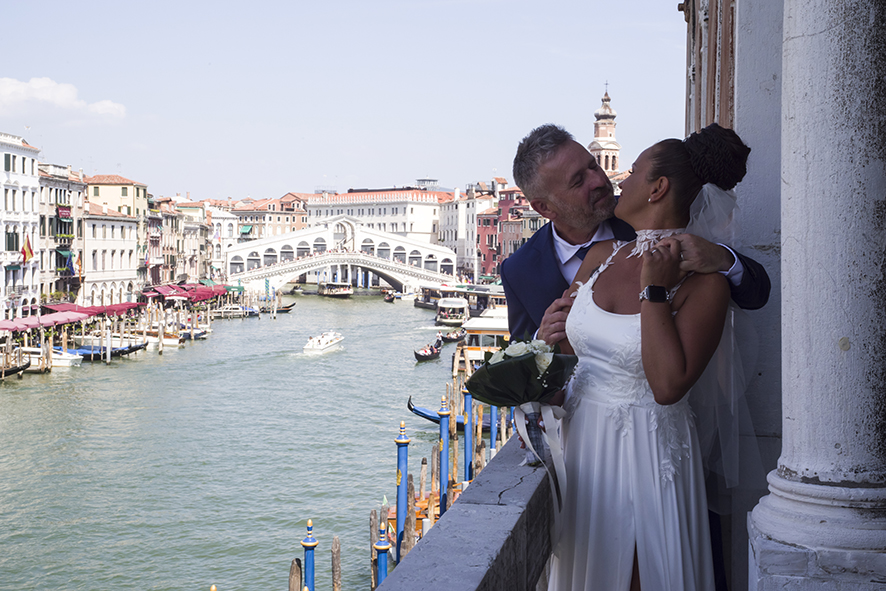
402 470
469 435
443 413
493 427
382 546
309 543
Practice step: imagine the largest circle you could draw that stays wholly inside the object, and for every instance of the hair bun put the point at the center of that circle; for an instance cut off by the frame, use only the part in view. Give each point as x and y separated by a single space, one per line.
718 156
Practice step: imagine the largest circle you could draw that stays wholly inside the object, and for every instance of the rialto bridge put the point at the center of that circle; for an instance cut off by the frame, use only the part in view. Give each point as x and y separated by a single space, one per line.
341 249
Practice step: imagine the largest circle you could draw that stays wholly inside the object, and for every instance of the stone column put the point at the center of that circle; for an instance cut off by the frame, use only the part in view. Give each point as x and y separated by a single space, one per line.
823 525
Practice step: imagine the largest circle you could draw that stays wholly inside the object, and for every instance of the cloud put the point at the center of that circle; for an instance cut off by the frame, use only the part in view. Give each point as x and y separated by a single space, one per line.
15 93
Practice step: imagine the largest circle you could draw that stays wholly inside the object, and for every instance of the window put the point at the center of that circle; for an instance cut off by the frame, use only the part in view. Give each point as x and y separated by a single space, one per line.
94 260
104 235
93 230
79 228
7 162
124 191
95 191
12 241
42 225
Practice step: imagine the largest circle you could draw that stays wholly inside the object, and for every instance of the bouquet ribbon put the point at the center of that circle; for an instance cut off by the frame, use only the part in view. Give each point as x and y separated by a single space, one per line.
552 437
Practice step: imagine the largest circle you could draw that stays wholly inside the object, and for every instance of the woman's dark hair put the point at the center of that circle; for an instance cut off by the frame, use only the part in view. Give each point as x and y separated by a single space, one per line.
713 155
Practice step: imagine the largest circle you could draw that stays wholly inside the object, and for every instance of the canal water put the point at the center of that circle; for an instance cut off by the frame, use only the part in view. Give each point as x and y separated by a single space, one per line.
203 465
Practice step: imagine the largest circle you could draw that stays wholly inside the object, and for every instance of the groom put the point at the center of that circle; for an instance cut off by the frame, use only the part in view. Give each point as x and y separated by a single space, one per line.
564 184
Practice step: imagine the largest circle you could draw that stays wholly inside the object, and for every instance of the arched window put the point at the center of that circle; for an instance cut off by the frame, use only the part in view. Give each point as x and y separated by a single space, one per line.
230 230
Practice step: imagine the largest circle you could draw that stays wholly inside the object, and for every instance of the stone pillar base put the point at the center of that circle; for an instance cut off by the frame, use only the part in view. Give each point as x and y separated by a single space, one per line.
817 537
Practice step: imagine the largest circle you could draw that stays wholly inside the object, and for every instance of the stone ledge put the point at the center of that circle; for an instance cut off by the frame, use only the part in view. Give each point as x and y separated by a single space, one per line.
495 536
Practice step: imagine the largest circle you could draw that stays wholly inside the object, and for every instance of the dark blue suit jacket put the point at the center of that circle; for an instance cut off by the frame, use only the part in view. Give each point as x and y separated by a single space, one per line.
532 280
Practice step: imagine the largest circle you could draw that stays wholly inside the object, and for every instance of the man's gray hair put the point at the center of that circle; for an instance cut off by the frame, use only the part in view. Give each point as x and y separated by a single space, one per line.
534 149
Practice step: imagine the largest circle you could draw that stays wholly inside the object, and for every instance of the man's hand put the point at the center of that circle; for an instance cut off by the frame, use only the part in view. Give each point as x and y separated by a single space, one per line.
553 324
699 255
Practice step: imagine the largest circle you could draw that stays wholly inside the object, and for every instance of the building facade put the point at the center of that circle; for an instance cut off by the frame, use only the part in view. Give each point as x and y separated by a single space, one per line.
19 217
62 201
110 274
409 211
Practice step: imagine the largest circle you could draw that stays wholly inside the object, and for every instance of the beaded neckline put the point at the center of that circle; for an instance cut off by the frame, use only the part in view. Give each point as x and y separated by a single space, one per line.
646 239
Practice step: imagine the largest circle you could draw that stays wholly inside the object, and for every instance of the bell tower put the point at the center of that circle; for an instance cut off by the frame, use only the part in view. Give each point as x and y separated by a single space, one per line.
604 147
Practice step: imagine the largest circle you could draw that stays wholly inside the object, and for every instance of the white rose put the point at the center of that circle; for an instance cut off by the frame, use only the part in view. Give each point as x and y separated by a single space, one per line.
539 346
517 349
496 357
543 360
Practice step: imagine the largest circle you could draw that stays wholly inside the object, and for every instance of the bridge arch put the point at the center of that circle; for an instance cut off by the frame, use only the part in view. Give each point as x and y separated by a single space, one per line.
415 258
253 261
236 265
430 262
287 253
368 246
383 251
447 266
303 249
400 254
319 244
270 257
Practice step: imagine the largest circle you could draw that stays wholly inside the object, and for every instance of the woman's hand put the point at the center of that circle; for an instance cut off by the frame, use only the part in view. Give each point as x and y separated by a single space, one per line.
661 265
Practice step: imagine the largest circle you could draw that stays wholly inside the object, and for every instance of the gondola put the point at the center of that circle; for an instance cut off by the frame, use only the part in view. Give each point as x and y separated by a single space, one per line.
454 336
432 416
15 369
280 310
389 298
95 353
427 354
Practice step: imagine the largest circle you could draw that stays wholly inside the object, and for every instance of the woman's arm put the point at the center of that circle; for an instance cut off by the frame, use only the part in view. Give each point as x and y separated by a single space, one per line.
676 349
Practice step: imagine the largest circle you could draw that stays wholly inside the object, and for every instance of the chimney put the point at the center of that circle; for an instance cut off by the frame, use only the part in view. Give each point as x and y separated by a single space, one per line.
81 175
105 208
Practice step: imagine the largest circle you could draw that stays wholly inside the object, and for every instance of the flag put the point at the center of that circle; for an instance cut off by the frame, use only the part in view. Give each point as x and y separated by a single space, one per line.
27 251
69 265
80 265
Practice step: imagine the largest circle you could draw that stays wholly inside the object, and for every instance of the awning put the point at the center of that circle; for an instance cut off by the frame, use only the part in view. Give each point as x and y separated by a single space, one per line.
208 282
245 229
234 288
13 267
64 253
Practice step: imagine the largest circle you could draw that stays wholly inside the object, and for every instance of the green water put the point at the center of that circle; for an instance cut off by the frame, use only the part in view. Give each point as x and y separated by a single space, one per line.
203 465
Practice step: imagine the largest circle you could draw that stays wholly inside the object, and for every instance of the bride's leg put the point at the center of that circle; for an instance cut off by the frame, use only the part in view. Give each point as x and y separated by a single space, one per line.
635 577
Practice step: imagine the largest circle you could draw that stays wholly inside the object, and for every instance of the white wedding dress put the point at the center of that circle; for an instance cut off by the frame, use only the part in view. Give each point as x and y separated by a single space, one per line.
635 476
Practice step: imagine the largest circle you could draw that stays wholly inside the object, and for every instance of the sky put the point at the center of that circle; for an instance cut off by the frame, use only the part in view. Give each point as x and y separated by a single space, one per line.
257 99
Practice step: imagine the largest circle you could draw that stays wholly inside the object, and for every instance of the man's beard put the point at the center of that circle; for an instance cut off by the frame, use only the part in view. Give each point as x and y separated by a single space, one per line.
586 217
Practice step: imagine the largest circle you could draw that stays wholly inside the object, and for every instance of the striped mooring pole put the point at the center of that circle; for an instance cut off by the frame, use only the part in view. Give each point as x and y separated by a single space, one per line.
443 413
402 469
469 435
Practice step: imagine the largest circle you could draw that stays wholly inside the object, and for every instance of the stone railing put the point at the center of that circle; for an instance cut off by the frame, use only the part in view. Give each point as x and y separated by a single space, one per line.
495 536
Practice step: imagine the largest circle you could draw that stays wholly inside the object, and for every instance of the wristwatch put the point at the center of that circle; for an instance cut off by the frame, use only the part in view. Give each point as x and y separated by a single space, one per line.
656 294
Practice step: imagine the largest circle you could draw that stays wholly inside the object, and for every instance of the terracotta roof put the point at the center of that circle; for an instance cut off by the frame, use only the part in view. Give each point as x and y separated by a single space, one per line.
501 180
110 179
490 211
190 204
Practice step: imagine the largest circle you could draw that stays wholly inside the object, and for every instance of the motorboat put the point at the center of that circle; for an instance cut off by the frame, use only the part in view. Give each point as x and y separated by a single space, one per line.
234 311
335 289
452 311
325 342
59 358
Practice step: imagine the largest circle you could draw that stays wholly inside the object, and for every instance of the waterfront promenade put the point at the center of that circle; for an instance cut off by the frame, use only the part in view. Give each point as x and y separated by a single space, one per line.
203 465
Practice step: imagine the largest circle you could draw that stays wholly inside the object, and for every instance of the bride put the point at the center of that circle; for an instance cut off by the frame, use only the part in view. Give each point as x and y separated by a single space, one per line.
635 509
